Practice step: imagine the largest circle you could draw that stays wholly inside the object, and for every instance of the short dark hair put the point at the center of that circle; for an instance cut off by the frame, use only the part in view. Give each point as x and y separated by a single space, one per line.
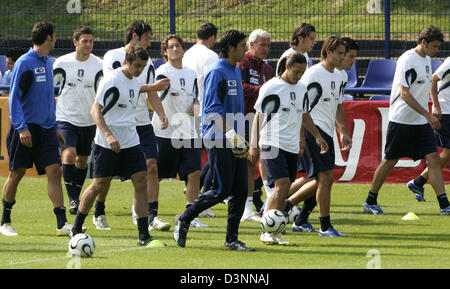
206 30
135 51
229 38
15 53
40 32
350 44
165 44
139 27
82 29
291 60
303 30
331 43
431 33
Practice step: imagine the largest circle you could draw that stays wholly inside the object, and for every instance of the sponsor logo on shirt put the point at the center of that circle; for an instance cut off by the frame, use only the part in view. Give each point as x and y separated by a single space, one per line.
326 99
71 84
232 91
174 94
254 80
41 78
286 109
253 72
232 83
39 70
121 105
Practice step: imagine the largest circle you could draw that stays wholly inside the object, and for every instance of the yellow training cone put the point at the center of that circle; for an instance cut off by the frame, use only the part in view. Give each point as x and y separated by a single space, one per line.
410 217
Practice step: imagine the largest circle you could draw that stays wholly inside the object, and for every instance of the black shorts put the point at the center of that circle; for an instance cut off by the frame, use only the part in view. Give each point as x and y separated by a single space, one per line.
312 161
79 137
443 135
44 150
148 141
284 165
409 141
172 160
123 164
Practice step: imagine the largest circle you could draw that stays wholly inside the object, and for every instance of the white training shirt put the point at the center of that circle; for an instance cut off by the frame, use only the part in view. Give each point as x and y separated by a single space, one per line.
177 100
323 107
200 58
443 85
282 128
413 71
289 52
119 97
114 59
78 82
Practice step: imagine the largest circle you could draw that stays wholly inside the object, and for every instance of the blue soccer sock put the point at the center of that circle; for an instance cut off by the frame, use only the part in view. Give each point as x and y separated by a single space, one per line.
78 224
152 211
372 198
325 223
7 208
420 181
69 174
307 208
99 208
443 201
79 180
142 224
61 219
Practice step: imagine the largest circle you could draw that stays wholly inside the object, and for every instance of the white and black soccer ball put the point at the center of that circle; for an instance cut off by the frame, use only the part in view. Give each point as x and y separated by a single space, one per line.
273 221
81 245
293 214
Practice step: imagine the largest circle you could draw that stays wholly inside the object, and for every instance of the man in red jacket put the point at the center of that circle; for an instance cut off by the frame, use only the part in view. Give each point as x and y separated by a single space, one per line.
255 72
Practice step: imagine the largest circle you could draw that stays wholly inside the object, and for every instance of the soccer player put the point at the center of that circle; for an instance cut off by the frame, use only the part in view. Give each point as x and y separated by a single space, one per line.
301 223
303 41
179 151
410 129
323 81
222 115
11 57
78 74
140 32
282 111
200 57
255 72
440 96
117 150
33 136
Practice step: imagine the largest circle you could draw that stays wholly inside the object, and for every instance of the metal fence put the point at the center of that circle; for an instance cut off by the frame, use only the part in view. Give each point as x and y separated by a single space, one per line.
384 27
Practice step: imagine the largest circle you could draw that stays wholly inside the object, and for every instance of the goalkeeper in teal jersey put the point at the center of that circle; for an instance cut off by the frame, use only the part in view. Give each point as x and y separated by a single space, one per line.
223 136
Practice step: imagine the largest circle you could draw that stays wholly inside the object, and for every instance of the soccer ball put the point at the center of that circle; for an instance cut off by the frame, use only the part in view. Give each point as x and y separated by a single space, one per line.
273 221
293 214
81 245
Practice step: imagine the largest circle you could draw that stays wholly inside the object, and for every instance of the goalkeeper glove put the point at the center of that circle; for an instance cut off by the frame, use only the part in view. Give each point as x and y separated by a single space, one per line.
238 143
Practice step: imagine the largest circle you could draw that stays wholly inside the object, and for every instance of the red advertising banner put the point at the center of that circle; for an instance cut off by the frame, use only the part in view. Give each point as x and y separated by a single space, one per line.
367 123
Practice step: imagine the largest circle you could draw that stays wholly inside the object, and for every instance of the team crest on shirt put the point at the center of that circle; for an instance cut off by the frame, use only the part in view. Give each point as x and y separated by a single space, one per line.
131 94
182 82
333 85
293 97
80 73
427 69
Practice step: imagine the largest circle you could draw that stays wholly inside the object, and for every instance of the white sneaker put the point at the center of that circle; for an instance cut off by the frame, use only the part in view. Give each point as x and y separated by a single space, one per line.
159 225
66 230
100 222
207 214
133 215
250 216
272 239
8 230
198 224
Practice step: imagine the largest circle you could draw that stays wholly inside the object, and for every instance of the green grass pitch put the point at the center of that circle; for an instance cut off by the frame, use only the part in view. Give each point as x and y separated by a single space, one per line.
374 241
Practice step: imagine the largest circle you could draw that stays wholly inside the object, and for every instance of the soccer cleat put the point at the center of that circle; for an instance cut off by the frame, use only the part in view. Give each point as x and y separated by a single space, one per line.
446 211
180 231
133 215
331 232
207 214
272 239
251 217
306 228
417 190
373 209
237 246
196 223
66 230
158 225
74 207
7 230
100 222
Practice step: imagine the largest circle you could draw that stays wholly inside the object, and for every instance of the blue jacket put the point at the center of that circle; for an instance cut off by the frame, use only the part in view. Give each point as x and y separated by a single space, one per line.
32 98
222 96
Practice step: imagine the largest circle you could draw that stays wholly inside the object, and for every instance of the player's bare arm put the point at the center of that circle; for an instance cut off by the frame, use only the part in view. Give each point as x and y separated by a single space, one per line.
341 125
97 115
155 101
434 97
253 154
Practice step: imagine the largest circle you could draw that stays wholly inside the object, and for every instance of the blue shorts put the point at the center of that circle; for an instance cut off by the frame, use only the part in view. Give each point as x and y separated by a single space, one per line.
148 141
44 150
123 164
443 135
284 165
312 161
171 160
79 137
409 141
